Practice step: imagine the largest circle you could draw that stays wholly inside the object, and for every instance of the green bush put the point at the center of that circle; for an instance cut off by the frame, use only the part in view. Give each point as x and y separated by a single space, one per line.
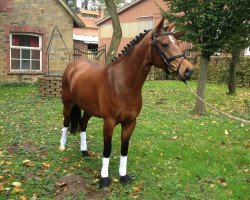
218 71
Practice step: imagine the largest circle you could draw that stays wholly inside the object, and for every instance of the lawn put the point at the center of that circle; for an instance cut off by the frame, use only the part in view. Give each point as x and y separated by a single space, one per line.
173 154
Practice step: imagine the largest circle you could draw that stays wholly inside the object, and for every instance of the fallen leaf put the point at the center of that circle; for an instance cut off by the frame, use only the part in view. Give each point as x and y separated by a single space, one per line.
60 184
17 184
28 163
23 197
222 182
229 192
137 189
65 159
115 180
7 189
34 197
46 165
17 189
247 144
65 189
1 187
212 185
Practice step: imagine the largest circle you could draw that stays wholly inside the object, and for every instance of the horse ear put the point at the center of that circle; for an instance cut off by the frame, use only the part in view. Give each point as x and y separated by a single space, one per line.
171 26
178 34
159 26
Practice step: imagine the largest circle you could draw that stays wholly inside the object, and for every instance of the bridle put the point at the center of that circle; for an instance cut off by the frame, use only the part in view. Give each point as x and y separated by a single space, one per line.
167 61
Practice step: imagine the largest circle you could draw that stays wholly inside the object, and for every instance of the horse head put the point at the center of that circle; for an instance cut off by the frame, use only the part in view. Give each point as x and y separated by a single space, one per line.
166 53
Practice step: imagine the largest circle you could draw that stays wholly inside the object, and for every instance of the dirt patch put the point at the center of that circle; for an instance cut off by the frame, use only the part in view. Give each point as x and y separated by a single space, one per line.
76 188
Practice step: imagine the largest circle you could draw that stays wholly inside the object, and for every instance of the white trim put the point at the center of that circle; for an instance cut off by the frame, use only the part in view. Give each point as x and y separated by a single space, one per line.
39 48
86 39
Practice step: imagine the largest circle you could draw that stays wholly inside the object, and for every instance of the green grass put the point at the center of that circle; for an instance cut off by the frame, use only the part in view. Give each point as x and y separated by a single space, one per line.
173 154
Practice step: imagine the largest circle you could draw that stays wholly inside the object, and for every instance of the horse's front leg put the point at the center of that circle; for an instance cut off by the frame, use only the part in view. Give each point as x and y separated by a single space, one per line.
127 129
108 128
83 142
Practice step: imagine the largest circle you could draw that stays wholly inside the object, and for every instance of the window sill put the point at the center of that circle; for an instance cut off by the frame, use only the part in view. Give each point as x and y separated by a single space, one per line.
26 73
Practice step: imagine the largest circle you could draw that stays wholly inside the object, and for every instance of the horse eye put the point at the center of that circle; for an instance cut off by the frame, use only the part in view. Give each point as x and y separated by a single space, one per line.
165 45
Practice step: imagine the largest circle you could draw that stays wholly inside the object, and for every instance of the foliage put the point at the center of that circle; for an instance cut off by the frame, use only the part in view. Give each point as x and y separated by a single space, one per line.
72 4
173 154
238 20
208 24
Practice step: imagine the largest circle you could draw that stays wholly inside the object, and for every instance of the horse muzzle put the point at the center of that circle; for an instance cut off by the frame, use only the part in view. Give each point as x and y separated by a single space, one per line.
186 75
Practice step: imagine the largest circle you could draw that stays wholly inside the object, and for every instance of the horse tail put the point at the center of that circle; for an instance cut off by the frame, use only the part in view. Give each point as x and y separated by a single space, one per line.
75 119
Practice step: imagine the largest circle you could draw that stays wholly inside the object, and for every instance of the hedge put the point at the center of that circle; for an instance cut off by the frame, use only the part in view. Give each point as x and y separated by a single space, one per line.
218 71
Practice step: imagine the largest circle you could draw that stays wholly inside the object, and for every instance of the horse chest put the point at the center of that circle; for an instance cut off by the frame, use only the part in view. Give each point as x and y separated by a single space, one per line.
129 110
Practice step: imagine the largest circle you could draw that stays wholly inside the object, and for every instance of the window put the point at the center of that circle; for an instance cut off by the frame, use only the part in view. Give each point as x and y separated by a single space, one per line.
25 52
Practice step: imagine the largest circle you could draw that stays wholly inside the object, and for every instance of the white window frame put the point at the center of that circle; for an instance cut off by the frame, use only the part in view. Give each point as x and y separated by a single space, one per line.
28 48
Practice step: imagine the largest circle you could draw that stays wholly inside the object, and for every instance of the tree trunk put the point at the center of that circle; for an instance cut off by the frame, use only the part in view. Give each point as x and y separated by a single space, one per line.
232 72
117 30
199 108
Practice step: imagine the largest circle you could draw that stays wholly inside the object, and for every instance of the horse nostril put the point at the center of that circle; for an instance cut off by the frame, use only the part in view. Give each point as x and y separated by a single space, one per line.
188 73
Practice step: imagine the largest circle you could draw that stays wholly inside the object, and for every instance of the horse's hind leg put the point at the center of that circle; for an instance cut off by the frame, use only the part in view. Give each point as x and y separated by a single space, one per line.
83 143
66 113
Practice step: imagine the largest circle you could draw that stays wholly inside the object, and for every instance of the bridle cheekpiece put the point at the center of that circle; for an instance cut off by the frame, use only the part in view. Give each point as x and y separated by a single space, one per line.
167 61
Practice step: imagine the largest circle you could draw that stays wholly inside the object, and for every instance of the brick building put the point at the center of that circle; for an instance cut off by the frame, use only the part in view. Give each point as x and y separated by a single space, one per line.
87 37
134 18
25 30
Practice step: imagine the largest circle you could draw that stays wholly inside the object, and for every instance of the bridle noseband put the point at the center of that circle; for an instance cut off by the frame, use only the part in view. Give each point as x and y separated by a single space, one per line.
167 61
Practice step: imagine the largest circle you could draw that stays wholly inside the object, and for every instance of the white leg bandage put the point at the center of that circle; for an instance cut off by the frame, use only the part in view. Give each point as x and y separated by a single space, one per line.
63 138
83 145
123 165
105 167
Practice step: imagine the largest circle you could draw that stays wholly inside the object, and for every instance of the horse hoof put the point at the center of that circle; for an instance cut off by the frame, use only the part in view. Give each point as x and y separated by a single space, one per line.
126 179
85 153
62 148
105 182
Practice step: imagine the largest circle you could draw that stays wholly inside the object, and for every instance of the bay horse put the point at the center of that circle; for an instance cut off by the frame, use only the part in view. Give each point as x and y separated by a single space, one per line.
114 92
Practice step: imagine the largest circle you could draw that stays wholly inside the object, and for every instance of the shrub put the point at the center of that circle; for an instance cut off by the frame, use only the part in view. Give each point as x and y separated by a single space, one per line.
218 71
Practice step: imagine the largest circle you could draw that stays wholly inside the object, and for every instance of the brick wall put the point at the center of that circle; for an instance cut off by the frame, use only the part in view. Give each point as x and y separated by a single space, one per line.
50 86
37 17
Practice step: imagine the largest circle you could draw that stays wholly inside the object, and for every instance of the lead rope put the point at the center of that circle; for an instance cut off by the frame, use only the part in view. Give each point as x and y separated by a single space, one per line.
217 110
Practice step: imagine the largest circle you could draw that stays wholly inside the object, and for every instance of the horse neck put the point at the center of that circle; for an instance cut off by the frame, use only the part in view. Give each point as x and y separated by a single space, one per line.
132 69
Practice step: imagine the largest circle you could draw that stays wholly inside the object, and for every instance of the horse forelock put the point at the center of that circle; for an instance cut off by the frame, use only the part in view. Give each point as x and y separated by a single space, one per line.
138 38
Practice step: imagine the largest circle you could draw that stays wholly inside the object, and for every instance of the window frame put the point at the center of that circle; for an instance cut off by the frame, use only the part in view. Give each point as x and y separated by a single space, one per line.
26 48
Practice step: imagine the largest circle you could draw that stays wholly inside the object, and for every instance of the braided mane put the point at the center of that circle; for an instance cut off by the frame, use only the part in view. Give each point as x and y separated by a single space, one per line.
130 45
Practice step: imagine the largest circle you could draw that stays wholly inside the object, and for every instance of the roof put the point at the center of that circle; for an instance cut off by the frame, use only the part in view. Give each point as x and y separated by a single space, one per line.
89 22
72 14
120 11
